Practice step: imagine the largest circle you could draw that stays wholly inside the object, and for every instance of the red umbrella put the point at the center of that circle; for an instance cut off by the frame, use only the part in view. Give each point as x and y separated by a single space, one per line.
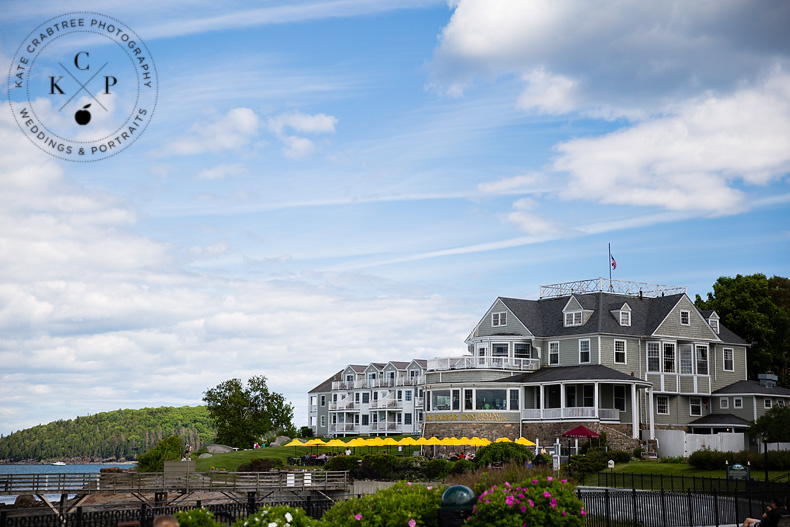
582 432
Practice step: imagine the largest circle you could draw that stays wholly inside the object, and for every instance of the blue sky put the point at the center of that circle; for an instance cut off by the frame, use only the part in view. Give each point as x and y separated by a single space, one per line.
326 183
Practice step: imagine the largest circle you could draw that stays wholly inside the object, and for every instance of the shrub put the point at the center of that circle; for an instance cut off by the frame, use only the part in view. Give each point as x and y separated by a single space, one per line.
540 501
197 518
619 456
349 463
504 452
277 516
637 453
168 449
306 431
379 466
261 464
437 469
392 507
461 466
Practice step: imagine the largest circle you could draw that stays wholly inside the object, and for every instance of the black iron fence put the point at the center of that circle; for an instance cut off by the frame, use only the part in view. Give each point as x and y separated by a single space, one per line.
143 515
699 484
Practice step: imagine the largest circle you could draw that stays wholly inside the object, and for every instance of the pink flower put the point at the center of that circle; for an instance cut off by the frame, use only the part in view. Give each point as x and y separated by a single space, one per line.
509 501
488 501
408 483
583 512
521 495
413 522
429 487
531 503
507 484
534 482
523 509
564 513
550 478
563 481
358 517
546 494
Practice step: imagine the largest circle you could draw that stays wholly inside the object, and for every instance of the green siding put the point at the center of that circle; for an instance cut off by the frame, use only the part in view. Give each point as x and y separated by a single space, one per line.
484 328
698 329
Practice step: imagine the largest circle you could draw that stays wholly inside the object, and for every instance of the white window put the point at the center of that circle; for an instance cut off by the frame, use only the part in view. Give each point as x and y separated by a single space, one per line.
685 318
366 398
686 366
619 398
714 324
323 421
767 403
554 352
400 395
323 400
365 419
662 405
695 406
729 360
780 402
737 402
702 360
408 395
521 350
619 352
498 319
625 318
584 351
653 357
724 403
407 419
669 357
573 318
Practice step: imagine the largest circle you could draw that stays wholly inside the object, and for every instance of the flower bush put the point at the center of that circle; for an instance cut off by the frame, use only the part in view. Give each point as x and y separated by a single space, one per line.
405 504
542 501
277 516
502 453
196 518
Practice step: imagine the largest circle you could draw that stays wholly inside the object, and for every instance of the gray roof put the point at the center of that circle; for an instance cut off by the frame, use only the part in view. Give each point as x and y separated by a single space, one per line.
326 386
544 317
752 388
720 420
591 372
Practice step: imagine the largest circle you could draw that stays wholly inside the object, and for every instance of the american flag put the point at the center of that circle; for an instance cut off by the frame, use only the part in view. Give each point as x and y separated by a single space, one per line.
614 264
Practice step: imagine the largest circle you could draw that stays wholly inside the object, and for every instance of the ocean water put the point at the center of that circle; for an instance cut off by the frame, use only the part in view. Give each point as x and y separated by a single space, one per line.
50 469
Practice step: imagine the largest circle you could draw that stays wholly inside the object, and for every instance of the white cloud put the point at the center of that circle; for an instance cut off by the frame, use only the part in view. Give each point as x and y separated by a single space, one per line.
697 159
297 147
232 131
223 171
534 223
514 185
611 57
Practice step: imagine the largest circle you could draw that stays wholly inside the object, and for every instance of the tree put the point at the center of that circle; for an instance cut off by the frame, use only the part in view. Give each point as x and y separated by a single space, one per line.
757 309
168 449
244 414
776 422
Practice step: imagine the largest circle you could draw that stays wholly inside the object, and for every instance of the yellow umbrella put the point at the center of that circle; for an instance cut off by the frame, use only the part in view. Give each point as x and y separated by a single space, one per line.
422 441
408 441
315 442
524 441
484 442
390 442
465 441
295 442
434 441
357 441
504 440
376 441
451 441
336 442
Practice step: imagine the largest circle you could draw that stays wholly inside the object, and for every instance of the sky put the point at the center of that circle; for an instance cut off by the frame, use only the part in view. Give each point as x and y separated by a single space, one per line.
339 182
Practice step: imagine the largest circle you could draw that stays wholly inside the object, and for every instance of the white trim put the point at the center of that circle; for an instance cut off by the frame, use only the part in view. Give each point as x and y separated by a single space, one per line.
737 402
768 403
700 406
714 336
667 405
724 359
589 351
496 319
688 317
724 403
557 342
625 351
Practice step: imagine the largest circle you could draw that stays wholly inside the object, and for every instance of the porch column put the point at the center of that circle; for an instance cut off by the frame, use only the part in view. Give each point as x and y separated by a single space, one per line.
542 400
634 412
650 406
562 401
596 402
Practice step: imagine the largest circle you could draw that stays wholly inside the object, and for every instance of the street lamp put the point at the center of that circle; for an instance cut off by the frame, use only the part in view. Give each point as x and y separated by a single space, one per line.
764 436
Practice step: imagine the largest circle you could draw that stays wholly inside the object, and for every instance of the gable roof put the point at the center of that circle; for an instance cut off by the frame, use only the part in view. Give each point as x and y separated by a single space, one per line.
544 317
720 420
326 386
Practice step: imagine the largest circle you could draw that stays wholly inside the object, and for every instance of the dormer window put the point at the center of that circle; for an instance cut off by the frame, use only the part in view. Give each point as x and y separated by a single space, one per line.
685 318
573 318
625 318
498 319
713 321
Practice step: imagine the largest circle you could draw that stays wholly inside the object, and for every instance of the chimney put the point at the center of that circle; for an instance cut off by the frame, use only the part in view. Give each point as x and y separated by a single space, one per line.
767 379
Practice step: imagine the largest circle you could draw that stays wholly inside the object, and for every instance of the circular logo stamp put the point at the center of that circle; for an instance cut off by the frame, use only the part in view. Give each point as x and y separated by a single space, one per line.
83 86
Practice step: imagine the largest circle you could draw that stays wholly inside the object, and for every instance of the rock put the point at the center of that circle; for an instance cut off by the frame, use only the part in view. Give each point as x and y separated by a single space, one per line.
204 456
219 449
25 501
281 440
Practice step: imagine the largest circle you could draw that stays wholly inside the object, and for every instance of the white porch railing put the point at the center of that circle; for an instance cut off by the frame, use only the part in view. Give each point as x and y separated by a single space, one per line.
469 362
556 414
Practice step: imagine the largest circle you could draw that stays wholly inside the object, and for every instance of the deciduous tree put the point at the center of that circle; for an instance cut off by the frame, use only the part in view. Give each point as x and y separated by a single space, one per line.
244 414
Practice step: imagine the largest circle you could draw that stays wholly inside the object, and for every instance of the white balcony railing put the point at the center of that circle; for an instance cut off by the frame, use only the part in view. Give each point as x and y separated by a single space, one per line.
556 414
469 362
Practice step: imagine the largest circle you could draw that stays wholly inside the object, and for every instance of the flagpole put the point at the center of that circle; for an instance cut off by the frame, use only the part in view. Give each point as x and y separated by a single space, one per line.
609 263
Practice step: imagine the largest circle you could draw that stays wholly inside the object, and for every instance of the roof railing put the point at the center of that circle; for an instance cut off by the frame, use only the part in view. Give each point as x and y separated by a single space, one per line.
605 285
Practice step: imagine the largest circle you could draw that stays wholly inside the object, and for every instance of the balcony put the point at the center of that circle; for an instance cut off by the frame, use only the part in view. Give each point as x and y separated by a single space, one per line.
611 415
468 362
314 409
